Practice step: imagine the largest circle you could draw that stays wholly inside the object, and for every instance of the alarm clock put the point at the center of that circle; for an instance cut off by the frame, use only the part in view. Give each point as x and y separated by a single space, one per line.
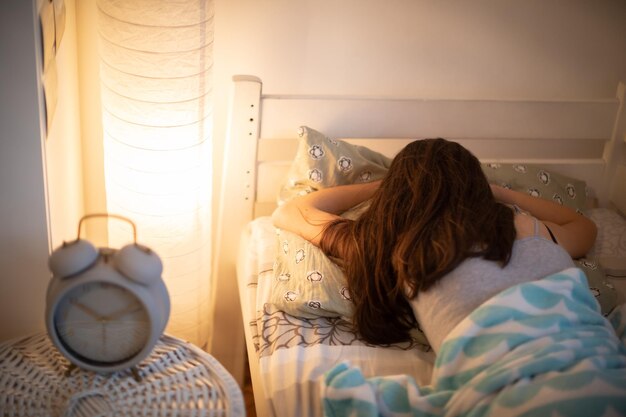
105 308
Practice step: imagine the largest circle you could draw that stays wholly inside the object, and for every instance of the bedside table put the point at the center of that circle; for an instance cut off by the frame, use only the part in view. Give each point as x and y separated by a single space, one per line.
176 379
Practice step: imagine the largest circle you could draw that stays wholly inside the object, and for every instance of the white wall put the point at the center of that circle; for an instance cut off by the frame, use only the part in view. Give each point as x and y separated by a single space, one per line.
494 48
40 178
508 49
23 213
63 142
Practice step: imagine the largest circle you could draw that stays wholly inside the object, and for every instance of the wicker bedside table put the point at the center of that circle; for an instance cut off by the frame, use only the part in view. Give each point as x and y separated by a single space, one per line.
177 379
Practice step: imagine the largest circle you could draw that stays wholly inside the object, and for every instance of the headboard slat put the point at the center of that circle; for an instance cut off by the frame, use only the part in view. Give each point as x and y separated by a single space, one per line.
440 118
492 148
235 211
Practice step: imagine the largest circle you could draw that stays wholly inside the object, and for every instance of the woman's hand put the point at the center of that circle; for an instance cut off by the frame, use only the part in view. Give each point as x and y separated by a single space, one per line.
498 193
308 215
574 232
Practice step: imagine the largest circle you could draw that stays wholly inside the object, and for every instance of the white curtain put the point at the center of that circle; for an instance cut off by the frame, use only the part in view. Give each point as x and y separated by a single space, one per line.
155 71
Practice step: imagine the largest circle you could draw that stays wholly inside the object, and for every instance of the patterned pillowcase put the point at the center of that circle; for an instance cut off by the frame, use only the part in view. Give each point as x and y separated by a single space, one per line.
306 282
321 162
539 182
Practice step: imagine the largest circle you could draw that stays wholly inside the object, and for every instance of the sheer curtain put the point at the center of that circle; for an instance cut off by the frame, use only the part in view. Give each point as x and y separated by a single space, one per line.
155 72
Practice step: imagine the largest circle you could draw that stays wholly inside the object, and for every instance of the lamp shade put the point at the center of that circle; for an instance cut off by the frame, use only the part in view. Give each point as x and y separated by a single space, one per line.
155 72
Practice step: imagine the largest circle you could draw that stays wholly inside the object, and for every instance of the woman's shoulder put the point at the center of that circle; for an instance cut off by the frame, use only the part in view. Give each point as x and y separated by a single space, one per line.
528 226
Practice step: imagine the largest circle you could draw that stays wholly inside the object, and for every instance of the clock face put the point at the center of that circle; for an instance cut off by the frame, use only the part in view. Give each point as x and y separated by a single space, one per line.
101 322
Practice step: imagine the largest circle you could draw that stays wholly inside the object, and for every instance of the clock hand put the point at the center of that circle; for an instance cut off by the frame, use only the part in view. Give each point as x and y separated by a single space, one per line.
123 312
86 309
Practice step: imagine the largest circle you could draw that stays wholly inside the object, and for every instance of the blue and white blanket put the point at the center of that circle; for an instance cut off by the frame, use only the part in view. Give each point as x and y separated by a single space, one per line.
537 349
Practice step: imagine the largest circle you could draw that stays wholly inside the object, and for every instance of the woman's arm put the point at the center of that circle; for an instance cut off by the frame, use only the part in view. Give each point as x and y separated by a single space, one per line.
308 215
574 232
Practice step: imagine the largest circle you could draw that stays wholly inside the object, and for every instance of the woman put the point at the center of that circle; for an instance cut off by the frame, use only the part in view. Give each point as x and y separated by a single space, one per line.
436 242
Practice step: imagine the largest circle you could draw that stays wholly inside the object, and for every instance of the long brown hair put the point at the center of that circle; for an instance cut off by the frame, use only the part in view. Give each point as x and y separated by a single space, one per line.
433 210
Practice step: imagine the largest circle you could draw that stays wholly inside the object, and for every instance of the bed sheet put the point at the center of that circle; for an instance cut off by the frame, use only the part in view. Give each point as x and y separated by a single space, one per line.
611 239
610 247
293 354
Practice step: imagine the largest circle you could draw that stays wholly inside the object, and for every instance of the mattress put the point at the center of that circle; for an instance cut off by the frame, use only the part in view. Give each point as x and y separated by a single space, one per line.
293 354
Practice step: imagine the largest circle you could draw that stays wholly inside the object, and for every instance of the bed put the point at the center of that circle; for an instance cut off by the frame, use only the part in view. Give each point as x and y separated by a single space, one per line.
288 355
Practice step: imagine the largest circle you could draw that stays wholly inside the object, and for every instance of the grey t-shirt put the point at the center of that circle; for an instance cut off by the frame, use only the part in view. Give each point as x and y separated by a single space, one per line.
476 280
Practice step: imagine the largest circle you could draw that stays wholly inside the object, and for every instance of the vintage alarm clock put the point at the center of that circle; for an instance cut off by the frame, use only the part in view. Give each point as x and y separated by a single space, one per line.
105 308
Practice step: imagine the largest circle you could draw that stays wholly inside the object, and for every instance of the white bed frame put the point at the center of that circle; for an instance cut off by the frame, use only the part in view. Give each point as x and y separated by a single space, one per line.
585 139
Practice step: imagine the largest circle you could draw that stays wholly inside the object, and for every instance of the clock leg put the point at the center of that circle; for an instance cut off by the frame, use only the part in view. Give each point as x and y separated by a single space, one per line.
135 373
69 369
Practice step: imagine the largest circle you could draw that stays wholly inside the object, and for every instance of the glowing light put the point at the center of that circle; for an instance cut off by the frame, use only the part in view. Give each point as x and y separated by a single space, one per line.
156 60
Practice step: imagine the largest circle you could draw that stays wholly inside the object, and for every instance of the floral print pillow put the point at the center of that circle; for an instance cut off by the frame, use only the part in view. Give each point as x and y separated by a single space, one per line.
323 162
539 182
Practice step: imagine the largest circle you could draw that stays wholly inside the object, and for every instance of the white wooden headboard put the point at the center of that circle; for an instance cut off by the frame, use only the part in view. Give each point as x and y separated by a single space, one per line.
584 139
